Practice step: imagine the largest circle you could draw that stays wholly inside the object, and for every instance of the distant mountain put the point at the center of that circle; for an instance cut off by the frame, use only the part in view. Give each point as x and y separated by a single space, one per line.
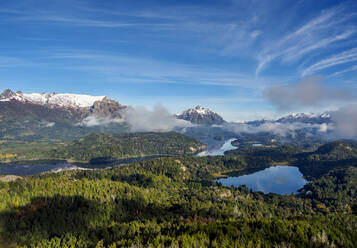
306 118
80 106
51 99
37 116
293 118
202 116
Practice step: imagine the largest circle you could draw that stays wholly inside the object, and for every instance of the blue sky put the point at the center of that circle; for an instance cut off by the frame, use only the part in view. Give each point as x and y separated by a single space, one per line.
220 54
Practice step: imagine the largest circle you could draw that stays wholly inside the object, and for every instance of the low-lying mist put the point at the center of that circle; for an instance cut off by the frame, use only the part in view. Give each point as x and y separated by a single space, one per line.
281 129
141 119
313 92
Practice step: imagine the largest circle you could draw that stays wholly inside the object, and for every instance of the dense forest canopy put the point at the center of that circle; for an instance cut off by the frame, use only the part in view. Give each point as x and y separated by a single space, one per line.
100 147
175 202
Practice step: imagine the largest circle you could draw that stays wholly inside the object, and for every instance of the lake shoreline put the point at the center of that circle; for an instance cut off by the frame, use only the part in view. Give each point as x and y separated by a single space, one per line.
273 179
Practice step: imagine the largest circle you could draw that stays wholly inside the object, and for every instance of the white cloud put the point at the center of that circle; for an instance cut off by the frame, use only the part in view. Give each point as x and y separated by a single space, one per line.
345 119
157 120
317 34
324 127
92 121
337 59
47 124
281 129
309 92
255 34
141 119
124 68
335 74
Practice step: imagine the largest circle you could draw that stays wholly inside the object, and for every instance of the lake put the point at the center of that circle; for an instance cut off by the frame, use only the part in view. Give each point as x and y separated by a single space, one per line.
227 146
26 169
275 179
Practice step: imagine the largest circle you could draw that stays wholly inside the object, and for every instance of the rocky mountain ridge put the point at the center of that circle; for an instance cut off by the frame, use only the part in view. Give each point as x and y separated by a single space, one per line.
75 105
201 116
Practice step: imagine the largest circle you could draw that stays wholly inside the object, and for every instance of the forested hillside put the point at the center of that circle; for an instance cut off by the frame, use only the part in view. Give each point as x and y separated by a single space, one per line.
173 202
104 147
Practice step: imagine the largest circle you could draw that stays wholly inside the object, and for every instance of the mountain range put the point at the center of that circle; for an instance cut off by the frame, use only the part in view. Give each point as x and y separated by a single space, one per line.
51 116
38 116
306 118
78 106
72 105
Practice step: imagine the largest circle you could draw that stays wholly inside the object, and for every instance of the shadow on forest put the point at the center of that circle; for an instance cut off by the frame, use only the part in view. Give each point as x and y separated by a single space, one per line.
49 217
45 218
316 169
36 162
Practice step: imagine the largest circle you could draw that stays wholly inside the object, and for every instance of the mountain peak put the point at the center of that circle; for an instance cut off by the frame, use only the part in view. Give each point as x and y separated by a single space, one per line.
201 115
7 94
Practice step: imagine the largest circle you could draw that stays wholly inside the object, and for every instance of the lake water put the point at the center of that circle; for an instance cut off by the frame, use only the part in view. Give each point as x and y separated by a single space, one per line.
227 146
275 179
32 169
26 168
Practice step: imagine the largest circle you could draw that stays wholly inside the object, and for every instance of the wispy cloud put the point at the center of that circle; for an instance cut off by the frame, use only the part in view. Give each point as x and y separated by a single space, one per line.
215 43
78 21
130 69
11 61
318 33
341 58
335 74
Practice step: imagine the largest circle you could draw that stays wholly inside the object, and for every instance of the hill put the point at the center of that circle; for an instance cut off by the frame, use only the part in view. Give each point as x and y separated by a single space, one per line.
172 202
336 150
106 147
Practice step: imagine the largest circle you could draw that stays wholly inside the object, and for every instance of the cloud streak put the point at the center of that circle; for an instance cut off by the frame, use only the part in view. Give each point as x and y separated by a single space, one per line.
125 68
338 59
92 121
351 69
318 33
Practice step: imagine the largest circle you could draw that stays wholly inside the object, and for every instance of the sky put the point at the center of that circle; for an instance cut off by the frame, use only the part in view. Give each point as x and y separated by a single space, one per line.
224 54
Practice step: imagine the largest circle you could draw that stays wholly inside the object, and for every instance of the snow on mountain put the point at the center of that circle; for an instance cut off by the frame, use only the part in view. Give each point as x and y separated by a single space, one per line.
200 115
302 115
200 110
306 118
52 99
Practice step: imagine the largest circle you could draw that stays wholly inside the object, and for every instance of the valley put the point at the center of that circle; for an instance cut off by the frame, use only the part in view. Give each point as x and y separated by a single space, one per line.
179 201
89 180
178 124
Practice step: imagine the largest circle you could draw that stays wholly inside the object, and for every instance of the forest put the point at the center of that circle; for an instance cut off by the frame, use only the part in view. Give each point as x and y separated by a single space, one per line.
175 202
99 148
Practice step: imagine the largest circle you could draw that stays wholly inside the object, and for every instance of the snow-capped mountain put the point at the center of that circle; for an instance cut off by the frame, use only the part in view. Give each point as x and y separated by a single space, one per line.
73 106
200 115
52 99
306 118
